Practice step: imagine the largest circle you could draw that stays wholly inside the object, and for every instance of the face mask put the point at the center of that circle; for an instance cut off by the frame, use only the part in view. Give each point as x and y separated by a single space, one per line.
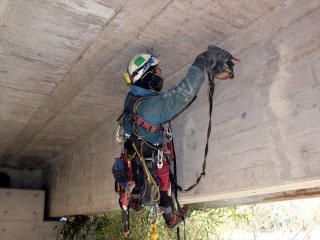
151 82
156 83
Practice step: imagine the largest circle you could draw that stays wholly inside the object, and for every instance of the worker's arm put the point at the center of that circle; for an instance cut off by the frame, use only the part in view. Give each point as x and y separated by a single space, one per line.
165 106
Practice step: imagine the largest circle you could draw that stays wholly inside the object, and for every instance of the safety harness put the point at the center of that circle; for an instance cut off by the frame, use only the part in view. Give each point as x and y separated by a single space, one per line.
166 152
141 186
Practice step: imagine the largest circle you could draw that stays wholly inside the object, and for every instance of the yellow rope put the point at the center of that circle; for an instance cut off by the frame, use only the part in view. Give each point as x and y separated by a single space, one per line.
149 176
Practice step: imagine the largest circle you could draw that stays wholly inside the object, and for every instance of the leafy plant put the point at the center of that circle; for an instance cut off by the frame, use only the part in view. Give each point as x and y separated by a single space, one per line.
214 223
109 226
295 219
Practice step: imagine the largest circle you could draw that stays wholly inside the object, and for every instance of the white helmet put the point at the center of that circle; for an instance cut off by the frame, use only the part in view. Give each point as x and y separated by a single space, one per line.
140 64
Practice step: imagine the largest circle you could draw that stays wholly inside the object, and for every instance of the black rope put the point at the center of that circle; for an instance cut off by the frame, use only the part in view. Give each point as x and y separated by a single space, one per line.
174 177
203 173
218 68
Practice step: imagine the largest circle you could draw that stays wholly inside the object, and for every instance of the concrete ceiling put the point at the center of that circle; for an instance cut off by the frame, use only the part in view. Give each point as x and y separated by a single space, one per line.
61 61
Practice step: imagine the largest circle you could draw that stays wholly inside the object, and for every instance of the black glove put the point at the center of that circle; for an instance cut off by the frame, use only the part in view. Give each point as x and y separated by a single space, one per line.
210 58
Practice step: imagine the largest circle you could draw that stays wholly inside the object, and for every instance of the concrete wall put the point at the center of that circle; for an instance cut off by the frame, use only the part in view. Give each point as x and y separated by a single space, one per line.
21 215
265 136
82 181
25 178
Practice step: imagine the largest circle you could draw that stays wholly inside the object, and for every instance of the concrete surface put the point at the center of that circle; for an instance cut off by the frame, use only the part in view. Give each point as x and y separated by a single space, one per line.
265 136
21 215
61 90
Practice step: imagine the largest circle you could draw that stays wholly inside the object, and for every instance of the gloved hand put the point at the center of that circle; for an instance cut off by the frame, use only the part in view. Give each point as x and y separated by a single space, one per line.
208 59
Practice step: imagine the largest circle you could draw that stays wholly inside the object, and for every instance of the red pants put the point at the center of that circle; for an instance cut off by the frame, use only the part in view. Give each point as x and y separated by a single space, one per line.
163 175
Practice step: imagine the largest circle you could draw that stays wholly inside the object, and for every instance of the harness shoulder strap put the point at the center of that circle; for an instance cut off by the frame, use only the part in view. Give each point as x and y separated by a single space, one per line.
133 105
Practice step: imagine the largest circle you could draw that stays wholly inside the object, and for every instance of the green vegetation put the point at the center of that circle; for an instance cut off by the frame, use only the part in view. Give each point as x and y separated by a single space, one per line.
294 220
202 224
109 226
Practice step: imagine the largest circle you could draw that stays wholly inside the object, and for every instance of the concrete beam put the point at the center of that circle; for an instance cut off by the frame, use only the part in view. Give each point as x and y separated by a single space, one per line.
265 134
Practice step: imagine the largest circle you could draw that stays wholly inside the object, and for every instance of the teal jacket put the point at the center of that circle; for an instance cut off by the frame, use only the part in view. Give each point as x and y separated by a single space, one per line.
157 109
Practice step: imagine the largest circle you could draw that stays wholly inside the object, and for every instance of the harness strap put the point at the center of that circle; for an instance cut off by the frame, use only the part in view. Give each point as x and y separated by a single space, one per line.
149 176
145 125
173 179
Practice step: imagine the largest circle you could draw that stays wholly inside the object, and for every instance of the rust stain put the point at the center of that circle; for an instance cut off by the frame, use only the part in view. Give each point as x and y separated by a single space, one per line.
301 193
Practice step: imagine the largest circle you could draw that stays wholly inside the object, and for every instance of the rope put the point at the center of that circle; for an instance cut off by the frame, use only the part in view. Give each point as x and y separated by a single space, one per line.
149 176
173 179
203 173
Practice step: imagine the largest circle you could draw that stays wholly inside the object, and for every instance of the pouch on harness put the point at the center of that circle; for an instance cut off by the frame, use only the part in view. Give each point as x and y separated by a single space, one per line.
130 168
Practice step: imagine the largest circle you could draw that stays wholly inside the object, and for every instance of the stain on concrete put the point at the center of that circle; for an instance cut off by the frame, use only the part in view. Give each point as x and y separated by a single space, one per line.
279 78
278 104
305 154
244 115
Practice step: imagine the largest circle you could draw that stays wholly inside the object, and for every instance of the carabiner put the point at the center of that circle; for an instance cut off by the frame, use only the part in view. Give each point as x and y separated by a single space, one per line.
160 159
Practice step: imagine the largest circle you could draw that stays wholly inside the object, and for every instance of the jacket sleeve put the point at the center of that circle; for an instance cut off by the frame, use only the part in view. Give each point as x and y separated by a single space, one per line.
168 104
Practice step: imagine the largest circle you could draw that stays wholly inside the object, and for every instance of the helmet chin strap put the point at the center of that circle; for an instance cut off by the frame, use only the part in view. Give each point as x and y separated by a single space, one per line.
152 80
154 84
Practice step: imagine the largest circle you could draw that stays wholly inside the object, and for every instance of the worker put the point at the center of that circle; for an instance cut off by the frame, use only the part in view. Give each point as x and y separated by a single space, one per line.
146 109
